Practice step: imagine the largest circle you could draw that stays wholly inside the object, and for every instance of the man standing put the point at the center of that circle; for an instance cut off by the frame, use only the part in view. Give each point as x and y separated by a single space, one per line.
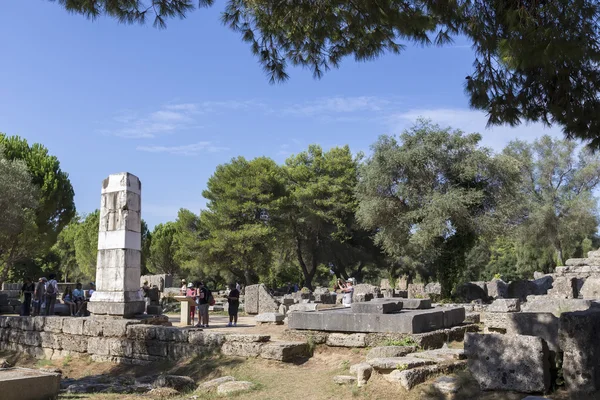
38 296
233 299
51 292
27 291
203 299
348 291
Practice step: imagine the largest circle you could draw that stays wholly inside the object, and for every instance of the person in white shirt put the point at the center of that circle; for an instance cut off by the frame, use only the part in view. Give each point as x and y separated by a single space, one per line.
51 293
348 291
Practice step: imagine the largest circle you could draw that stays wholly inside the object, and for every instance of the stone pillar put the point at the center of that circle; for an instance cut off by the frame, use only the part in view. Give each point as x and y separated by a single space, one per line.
119 249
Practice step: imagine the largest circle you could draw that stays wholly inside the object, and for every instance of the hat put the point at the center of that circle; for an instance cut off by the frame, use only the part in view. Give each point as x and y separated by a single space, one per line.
352 280
183 280
190 285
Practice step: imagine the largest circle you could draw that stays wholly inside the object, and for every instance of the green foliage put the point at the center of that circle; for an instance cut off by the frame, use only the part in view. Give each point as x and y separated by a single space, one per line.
66 253
86 244
432 196
163 248
525 52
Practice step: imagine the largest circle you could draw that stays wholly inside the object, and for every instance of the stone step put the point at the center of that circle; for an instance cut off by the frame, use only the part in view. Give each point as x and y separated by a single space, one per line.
398 363
441 355
390 351
409 378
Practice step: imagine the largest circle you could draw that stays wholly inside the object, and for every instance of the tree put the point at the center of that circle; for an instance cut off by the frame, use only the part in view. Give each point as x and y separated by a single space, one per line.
432 195
18 202
558 185
163 249
238 233
317 213
535 60
66 254
146 243
86 243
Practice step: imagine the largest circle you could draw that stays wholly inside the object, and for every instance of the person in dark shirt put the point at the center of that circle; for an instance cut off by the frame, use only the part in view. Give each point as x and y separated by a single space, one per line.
234 304
27 290
203 299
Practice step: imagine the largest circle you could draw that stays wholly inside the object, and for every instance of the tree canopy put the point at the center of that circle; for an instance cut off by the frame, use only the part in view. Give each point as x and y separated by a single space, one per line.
163 248
534 60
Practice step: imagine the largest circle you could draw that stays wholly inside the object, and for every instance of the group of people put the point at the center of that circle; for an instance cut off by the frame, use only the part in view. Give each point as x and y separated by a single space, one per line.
203 298
40 298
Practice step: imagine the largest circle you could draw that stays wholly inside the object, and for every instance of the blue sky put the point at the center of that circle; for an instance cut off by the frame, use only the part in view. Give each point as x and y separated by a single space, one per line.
170 105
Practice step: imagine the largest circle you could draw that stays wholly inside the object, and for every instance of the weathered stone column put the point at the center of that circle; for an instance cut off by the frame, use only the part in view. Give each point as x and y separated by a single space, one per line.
119 249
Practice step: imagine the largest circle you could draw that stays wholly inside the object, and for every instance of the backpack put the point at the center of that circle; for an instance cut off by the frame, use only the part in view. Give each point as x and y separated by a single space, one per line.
50 289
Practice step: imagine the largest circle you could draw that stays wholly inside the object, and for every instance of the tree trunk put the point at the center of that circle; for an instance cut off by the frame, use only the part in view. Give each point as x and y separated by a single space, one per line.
559 254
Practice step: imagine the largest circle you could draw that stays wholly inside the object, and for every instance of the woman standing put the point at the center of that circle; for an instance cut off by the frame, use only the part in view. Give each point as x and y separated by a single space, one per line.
27 290
234 305
191 292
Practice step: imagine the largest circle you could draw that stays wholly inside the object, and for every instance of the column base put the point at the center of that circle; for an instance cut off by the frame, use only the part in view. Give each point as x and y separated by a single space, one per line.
120 309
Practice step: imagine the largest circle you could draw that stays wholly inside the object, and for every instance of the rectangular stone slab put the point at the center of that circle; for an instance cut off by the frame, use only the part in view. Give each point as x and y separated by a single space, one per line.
28 384
371 307
417 321
407 304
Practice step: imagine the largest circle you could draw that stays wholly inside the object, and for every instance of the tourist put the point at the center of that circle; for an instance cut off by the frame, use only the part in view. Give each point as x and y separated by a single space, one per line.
78 298
348 291
38 296
145 293
202 300
238 287
51 293
233 299
69 300
191 292
92 290
27 290
184 287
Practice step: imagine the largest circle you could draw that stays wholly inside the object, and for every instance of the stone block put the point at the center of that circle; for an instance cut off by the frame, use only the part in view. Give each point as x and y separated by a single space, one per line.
497 289
118 347
28 384
74 326
344 379
93 327
591 288
453 316
416 291
39 323
230 388
471 291
180 350
53 324
154 348
563 288
505 305
112 327
251 299
347 340
247 338
554 305
372 307
400 363
214 383
390 351
578 334
508 362
409 304
266 302
409 378
32 338
207 339
270 318
171 334
363 373
179 383
433 288
76 343
544 284
303 307
99 346
284 351
141 332
51 340
241 349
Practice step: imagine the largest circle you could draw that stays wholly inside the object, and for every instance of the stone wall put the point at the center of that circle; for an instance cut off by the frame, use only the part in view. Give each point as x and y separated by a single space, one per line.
129 341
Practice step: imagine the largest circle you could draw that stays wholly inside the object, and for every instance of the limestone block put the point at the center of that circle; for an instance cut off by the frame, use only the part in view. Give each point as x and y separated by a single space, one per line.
433 288
3 322
497 289
116 327
251 299
400 363
564 288
27 323
416 290
214 383
228 388
372 307
207 339
554 305
51 340
241 349
591 288
118 347
284 351
508 362
471 291
32 338
149 347
179 383
363 373
409 378
74 326
99 346
303 307
544 284
441 355
247 338
53 324
390 351
266 302
578 333
270 318
78 343
93 327
521 289
505 305
347 340
344 379
39 323
141 332
171 334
